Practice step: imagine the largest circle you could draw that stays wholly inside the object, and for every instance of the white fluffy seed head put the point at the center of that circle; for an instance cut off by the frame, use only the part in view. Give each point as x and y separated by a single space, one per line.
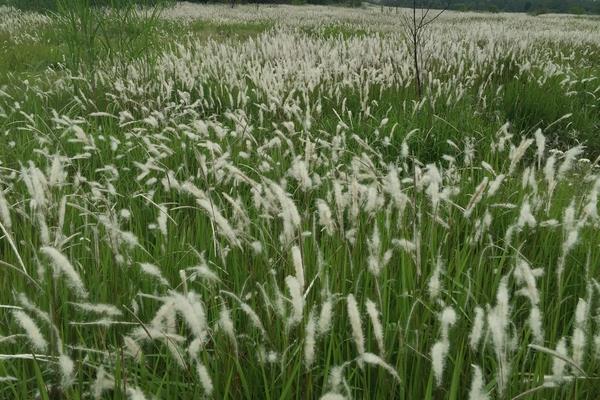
526 218
477 330
67 371
439 351
134 393
535 324
33 332
205 379
310 341
226 324
102 383
298 266
332 396
132 348
581 313
558 364
477 391
296 298
578 345
97 308
154 272
376 323
62 266
540 143
434 285
4 211
254 318
325 216
373 359
192 311
355 323
324 324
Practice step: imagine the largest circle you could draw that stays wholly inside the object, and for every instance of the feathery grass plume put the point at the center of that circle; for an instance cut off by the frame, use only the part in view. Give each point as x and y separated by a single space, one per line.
540 142
477 390
325 216
297 300
132 348
299 171
569 156
289 213
434 286
298 266
153 271
254 318
34 335
526 218
43 316
62 266
376 261
579 341
192 311
517 153
495 185
210 207
433 181
106 309
175 350
332 396
4 212
165 316
135 393
205 379
226 324
498 319
161 220
309 340
355 323
596 343
525 275
535 324
325 317
36 186
448 319
40 219
476 197
558 363
477 330
374 246
204 272
373 359
572 238
439 352
103 383
405 245
549 173
67 371
377 327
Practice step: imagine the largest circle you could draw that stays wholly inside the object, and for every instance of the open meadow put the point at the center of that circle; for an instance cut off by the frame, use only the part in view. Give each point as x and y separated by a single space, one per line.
200 201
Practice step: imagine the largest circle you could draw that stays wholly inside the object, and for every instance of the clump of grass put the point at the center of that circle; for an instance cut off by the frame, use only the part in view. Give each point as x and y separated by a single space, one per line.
275 215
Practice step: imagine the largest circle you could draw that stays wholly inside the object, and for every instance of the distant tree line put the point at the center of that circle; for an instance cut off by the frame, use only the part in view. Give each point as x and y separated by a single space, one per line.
350 3
528 6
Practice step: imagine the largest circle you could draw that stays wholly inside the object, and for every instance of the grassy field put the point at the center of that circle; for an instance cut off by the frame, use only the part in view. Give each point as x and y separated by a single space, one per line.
253 203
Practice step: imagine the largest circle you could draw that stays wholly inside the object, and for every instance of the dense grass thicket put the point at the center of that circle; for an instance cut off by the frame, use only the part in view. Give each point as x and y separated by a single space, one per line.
253 204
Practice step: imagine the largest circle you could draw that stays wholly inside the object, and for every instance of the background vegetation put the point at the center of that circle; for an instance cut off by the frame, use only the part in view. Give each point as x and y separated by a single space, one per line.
242 203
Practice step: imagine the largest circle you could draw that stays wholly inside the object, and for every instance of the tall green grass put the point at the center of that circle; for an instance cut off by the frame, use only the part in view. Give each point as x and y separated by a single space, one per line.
40 118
